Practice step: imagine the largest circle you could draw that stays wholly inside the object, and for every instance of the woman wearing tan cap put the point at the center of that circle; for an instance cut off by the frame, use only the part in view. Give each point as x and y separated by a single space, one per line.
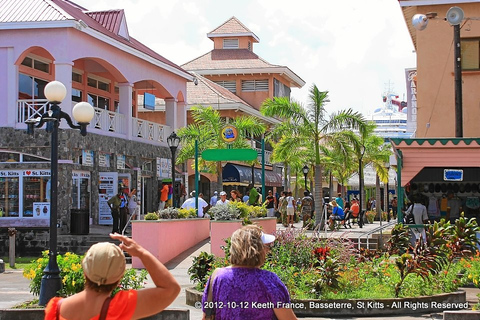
103 267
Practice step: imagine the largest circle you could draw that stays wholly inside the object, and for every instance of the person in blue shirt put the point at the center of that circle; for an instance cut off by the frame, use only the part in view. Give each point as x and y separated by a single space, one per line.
337 212
339 200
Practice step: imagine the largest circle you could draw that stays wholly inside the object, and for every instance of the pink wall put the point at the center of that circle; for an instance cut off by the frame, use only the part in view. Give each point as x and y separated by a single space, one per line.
268 225
166 239
219 231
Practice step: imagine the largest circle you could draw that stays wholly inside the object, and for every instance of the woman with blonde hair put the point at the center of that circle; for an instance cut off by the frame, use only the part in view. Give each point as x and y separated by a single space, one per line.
235 196
243 290
104 267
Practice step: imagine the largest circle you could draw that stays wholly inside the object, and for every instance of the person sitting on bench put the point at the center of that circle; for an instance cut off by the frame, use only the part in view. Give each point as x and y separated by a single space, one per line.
337 213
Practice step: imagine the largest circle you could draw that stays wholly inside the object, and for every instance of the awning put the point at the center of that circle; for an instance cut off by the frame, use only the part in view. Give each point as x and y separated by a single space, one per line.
234 174
418 154
370 178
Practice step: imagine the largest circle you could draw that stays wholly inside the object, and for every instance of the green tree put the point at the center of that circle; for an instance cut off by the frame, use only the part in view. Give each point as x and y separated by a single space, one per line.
312 126
206 129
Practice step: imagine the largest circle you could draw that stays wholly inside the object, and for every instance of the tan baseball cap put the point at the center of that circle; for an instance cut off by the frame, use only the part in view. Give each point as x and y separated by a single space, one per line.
104 263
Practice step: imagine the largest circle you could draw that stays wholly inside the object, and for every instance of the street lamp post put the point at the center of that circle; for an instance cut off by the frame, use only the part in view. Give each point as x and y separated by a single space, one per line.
83 113
305 172
173 141
360 184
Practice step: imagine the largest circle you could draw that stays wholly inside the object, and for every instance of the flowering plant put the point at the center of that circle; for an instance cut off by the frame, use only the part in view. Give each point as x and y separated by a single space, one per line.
71 273
370 216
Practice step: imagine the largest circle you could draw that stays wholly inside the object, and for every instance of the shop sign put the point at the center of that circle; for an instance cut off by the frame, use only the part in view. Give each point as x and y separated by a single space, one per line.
87 158
229 133
81 174
453 175
120 162
107 188
104 159
164 167
36 173
9 173
41 210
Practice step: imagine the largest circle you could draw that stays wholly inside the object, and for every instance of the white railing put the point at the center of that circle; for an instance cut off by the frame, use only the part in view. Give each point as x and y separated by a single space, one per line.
149 130
30 109
268 155
106 120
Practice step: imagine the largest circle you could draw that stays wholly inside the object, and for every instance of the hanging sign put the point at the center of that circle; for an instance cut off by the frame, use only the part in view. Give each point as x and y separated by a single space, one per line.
229 133
104 159
87 158
453 175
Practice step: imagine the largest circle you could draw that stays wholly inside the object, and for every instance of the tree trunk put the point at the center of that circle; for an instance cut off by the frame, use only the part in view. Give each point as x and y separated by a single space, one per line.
378 198
318 196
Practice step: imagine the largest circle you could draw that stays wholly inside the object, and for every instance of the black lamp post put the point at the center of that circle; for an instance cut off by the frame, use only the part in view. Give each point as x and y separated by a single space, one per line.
83 113
173 141
360 185
305 172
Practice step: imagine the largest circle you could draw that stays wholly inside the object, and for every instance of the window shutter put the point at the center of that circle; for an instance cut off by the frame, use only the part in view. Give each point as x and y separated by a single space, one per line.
230 43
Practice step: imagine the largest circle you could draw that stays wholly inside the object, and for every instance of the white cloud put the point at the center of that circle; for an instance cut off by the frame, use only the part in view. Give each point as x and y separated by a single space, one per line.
351 48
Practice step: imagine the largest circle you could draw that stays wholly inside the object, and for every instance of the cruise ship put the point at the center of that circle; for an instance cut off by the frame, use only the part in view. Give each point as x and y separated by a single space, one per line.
391 118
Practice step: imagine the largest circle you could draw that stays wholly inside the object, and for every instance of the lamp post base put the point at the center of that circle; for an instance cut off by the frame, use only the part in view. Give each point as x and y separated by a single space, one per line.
50 285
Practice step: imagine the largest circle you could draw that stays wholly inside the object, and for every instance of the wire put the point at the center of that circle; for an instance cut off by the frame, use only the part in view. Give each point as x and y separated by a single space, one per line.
438 89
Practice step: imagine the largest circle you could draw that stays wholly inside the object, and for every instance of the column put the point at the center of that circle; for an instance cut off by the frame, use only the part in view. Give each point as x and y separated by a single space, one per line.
8 86
125 106
181 114
63 73
171 115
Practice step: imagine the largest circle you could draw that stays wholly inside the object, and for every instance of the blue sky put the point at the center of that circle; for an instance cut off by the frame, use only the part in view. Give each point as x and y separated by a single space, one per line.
350 48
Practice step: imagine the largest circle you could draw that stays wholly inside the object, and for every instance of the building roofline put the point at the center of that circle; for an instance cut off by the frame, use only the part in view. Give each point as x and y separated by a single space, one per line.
295 80
413 3
241 34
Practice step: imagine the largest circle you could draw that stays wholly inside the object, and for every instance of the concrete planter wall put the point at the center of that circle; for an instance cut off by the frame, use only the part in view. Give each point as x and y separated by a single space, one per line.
364 307
166 239
269 225
219 231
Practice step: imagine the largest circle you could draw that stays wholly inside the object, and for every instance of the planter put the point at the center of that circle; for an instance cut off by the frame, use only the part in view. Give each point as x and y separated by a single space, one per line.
365 307
219 231
268 225
168 238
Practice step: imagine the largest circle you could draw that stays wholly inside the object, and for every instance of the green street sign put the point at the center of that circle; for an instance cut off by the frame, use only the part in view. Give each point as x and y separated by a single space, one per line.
229 154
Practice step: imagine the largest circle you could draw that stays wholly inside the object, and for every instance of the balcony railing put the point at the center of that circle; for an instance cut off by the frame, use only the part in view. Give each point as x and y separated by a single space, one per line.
29 109
148 130
104 120
110 121
268 155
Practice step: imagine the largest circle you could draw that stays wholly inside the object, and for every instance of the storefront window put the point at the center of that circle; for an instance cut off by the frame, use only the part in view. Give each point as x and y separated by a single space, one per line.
9 198
77 95
80 192
98 101
35 190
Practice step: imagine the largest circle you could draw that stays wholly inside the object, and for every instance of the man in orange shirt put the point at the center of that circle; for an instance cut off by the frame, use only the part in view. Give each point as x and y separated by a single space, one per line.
163 197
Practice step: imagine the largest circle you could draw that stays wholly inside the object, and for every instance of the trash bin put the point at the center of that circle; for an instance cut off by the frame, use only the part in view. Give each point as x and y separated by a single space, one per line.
79 221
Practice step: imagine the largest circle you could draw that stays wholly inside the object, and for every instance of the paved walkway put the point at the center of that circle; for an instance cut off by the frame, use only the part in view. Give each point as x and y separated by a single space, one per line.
14 287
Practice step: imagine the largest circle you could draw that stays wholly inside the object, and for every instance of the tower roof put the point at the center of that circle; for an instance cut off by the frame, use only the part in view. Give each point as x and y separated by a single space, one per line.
232 28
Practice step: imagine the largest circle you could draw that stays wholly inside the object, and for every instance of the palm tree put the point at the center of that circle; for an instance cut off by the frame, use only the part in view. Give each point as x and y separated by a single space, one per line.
206 129
312 125
371 149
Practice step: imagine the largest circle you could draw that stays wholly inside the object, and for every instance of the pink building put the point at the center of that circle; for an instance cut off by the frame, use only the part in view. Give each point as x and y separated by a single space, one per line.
95 57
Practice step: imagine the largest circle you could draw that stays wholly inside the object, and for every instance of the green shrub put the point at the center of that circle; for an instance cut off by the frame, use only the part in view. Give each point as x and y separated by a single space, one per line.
200 269
151 216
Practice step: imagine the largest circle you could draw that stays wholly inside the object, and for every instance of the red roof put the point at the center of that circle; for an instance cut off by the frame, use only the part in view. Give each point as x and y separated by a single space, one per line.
106 22
110 19
227 59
